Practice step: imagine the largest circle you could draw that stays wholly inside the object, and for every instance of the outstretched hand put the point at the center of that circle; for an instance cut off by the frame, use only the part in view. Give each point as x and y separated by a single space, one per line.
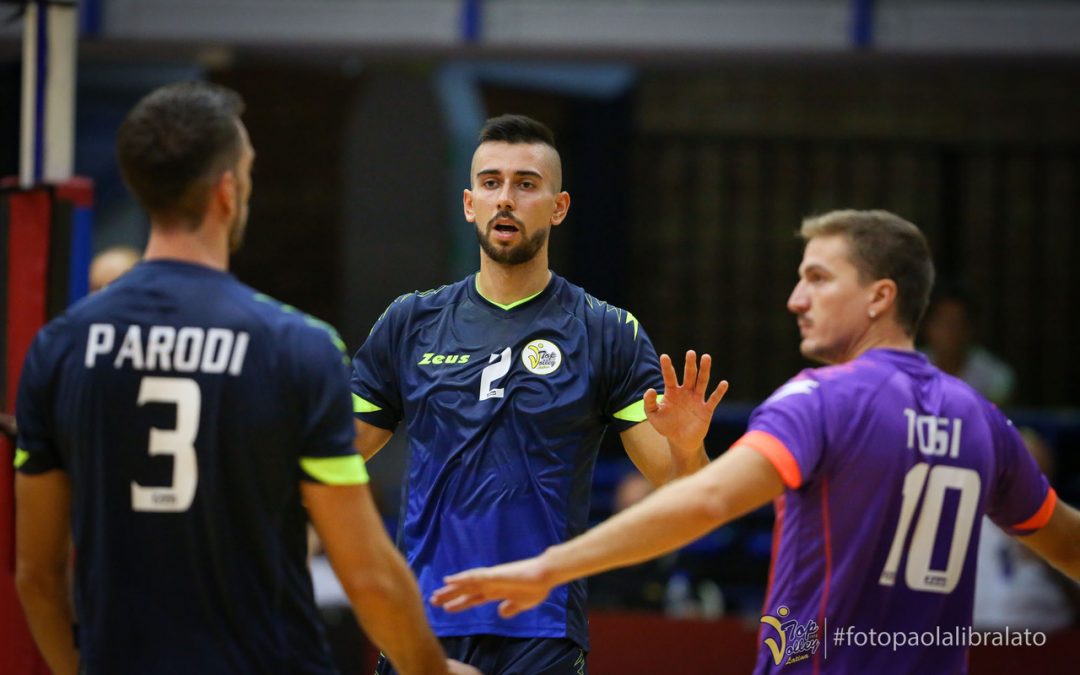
683 414
458 668
519 585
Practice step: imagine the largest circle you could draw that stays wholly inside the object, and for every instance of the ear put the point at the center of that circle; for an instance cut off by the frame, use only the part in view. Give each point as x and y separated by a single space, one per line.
562 205
467 202
225 197
882 297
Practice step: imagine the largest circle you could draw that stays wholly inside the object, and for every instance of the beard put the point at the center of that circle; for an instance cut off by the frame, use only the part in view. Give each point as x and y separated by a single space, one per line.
518 254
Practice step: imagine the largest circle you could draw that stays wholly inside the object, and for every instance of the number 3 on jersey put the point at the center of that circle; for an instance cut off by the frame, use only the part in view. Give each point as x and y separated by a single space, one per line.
179 442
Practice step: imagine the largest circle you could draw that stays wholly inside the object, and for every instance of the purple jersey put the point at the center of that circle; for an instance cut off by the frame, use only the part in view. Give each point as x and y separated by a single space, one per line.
889 465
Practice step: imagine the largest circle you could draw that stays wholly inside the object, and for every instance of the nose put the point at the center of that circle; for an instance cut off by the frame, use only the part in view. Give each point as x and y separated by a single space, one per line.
798 302
506 201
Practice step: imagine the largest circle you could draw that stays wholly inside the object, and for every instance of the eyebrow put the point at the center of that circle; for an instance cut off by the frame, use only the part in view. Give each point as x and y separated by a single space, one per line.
497 172
813 266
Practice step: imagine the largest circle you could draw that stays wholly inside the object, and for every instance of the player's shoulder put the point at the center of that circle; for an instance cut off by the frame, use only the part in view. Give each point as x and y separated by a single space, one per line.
63 331
968 401
433 298
289 323
55 338
849 379
802 384
417 304
870 372
595 312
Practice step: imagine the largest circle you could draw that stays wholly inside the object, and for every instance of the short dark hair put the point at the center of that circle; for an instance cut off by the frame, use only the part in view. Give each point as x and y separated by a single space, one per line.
175 142
516 129
884 246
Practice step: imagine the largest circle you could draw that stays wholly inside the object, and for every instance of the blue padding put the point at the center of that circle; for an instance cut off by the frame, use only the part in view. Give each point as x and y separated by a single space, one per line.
90 18
862 24
82 236
471 21
42 77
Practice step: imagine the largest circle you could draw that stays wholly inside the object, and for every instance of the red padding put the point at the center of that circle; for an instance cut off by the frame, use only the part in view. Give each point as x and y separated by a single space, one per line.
28 254
30 214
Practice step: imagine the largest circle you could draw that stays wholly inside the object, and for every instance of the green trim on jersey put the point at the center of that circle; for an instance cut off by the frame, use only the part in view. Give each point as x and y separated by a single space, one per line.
20 457
360 405
635 412
630 318
476 280
349 470
334 336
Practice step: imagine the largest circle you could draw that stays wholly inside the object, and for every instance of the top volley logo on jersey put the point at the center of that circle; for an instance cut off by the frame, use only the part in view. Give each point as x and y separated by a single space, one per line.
798 641
541 357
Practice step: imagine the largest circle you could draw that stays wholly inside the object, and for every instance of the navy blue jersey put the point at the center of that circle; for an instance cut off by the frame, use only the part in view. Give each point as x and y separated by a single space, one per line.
504 407
186 408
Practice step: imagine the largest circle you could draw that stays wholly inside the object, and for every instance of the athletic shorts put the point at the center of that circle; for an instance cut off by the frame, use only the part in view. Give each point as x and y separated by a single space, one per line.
500 655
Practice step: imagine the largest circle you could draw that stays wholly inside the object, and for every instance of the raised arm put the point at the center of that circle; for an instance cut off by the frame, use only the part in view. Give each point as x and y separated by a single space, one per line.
383 593
738 482
42 554
672 444
1058 542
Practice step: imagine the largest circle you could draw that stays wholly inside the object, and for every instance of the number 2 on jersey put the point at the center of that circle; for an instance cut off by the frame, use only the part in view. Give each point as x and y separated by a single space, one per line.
179 442
918 573
498 366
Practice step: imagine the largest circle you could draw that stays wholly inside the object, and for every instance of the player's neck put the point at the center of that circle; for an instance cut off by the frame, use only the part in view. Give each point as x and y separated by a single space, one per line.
892 337
196 247
507 284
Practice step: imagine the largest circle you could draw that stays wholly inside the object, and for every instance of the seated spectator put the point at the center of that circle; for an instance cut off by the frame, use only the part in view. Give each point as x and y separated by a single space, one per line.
640 587
1015 588
949 331
108 265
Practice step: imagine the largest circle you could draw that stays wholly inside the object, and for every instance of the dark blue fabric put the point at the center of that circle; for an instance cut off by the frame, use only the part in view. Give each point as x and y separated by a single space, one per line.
499 655
219 585
500 465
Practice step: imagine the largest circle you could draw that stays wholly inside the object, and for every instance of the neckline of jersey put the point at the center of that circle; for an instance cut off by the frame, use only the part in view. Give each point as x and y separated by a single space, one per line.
517 303
182 264
913 356
893 351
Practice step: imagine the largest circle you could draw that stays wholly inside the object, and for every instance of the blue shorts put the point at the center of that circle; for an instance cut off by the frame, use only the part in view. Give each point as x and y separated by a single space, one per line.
501 655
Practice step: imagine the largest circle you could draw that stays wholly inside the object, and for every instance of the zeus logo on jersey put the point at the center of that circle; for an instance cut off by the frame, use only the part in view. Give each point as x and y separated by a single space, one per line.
433 359
167 348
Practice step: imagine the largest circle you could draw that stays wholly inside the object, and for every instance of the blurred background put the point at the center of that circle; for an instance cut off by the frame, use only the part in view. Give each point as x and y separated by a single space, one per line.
695 136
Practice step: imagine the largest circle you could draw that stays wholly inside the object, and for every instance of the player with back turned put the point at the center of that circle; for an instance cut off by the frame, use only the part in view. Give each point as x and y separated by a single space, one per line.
177 424
881 467
506 381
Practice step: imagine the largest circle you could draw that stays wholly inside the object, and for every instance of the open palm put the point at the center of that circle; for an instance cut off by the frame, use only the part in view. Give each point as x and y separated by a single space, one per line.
519 585
683 413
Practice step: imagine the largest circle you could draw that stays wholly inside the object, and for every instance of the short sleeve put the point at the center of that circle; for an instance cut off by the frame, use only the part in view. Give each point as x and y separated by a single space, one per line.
376 393
631 367
36 450
327 454
787 428
1021 499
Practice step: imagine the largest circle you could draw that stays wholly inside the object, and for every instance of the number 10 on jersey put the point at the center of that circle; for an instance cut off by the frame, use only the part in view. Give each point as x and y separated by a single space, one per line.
927 484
